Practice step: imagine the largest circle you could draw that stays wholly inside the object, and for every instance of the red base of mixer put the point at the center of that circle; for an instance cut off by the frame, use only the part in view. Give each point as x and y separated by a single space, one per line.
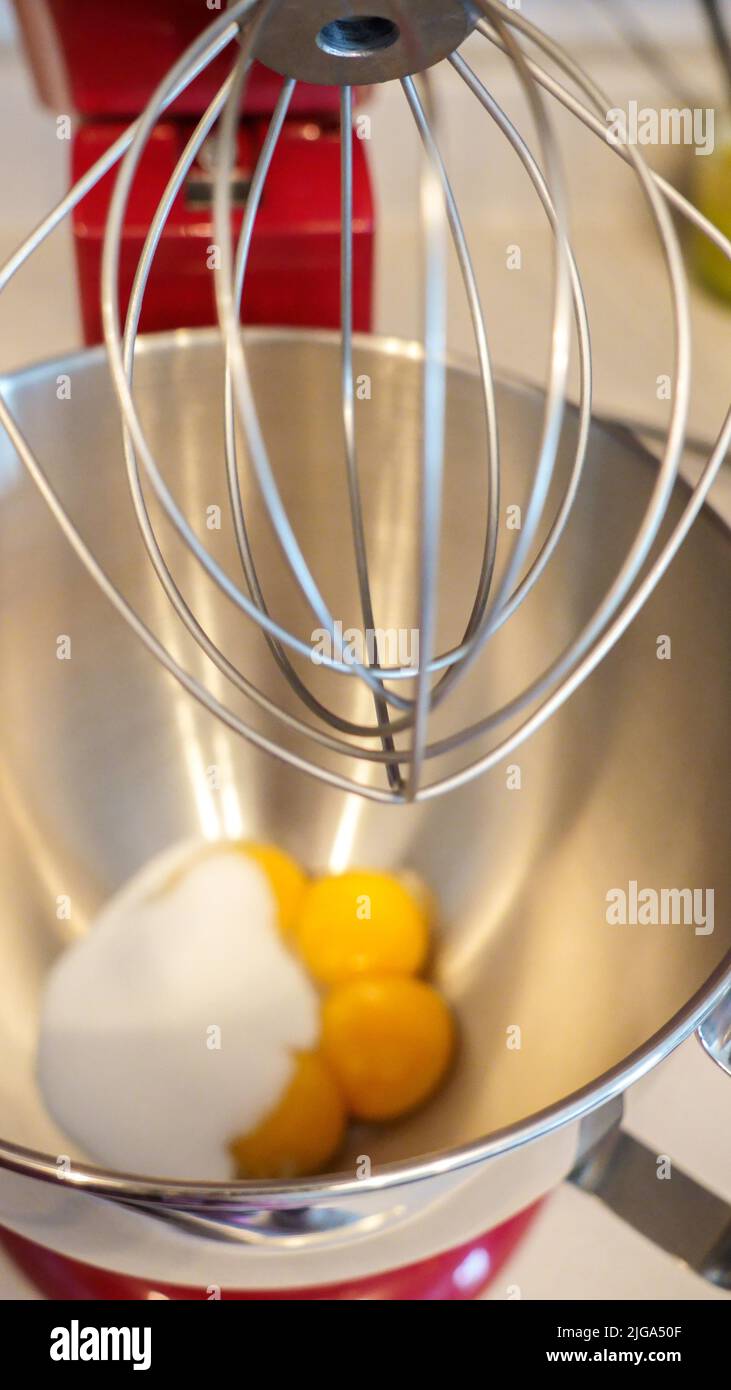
453 1276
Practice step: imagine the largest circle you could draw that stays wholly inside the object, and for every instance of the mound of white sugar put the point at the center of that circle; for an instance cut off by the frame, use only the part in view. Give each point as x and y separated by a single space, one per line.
170 1028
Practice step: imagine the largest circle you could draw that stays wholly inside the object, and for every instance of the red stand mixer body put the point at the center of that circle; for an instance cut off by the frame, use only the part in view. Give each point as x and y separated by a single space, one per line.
292 278
101 63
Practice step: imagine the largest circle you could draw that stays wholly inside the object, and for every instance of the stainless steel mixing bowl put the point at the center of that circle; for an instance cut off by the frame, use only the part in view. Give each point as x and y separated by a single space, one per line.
105 760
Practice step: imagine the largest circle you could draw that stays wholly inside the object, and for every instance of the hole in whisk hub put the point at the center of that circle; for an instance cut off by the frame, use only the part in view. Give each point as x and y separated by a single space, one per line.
358 37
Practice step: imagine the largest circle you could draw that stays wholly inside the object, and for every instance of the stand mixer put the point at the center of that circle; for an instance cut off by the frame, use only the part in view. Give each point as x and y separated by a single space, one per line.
507 625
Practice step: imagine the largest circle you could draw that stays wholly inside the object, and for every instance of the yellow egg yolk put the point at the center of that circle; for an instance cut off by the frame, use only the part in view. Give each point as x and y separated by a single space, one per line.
288 881
389 1042
303 1131
361 923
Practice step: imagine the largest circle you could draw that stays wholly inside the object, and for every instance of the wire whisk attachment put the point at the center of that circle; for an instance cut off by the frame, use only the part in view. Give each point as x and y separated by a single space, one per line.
313 41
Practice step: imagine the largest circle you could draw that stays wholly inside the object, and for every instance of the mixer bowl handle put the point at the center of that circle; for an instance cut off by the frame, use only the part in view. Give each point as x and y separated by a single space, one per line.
681 1217
714 1034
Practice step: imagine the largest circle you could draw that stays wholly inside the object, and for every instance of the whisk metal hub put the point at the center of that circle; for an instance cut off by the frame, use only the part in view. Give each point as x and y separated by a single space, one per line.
357 38
359 42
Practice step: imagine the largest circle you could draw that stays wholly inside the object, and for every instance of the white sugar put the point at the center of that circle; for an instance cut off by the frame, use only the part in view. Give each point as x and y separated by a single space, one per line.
171 1027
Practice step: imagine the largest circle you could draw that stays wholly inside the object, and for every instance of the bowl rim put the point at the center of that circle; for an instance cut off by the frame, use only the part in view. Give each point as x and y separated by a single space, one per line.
152 1192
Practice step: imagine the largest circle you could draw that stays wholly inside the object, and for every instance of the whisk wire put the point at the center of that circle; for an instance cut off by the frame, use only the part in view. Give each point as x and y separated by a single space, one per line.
434 422
348 407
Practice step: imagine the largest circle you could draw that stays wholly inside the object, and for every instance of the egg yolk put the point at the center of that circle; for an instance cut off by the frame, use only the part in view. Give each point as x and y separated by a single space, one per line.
389 1042
288 881
361 923
302 1132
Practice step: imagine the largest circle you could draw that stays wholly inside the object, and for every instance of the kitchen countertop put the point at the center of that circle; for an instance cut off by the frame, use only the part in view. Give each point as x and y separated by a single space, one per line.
576 1251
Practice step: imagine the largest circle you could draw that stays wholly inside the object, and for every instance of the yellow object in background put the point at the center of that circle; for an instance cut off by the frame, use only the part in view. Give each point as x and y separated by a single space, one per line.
302 1133
712 196
361 923
287 879
389 1042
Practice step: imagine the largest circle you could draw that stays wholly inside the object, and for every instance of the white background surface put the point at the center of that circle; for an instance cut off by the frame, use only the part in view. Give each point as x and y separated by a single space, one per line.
577 1251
